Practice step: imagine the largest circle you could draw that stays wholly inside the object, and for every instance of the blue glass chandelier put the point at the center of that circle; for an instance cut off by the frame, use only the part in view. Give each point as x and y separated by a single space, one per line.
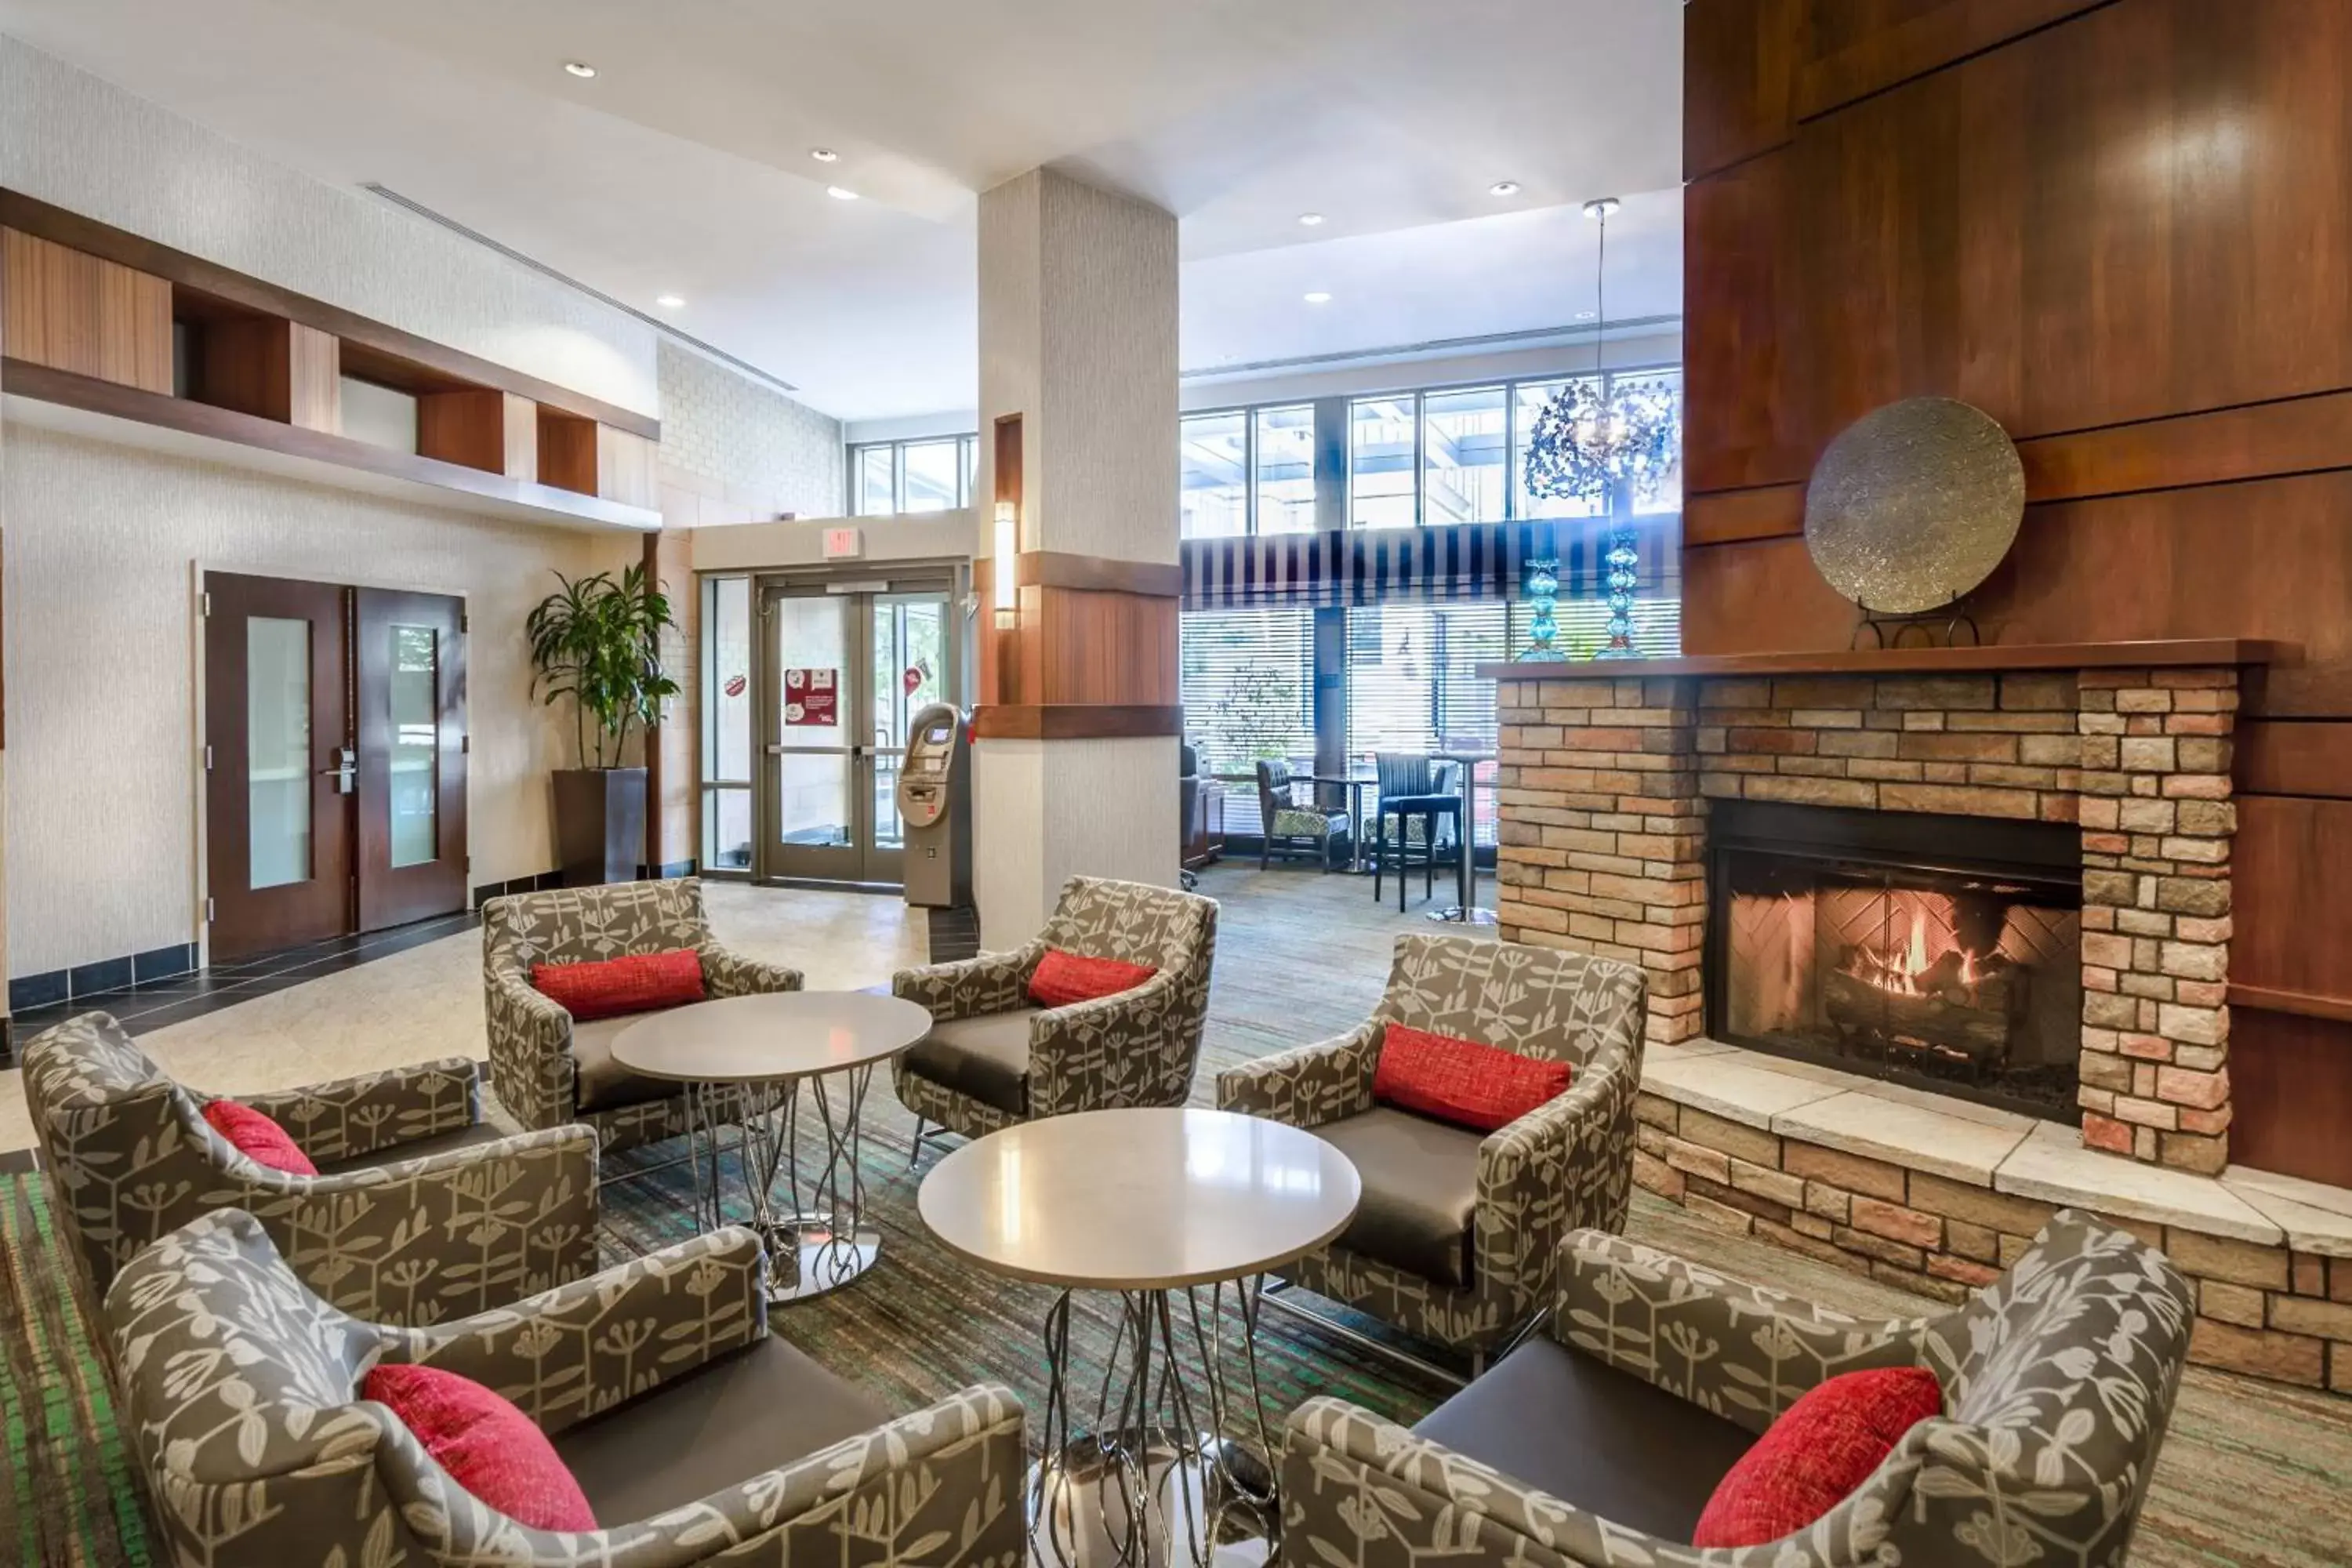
1605 442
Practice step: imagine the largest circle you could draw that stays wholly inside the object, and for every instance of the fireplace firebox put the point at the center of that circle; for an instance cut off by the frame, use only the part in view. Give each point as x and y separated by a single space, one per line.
1941 951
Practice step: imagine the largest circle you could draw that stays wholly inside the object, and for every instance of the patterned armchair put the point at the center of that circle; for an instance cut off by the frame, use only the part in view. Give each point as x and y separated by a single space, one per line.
548 1070
992 1059
419 1212
696 1437
1599 1444
1457 1233
1289 827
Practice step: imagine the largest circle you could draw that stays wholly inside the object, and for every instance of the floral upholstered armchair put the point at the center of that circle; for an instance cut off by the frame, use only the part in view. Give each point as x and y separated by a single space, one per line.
1456 1234
548 1069
1286 826
993 1058
420 1211
693 1435
1598 1444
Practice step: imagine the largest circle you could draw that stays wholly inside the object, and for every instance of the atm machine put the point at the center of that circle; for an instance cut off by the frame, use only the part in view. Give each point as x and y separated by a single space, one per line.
935 801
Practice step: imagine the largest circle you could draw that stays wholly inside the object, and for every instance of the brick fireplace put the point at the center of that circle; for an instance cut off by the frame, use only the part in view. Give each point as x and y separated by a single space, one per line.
1607 776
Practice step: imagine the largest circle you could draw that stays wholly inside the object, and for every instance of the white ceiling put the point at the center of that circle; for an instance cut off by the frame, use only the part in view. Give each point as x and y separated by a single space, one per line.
683 167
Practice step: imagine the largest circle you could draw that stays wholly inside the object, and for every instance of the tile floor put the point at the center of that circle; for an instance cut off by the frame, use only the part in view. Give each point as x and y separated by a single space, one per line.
330 1014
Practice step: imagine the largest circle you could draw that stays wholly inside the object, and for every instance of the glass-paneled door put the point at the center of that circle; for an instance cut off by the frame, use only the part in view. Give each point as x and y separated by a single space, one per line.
334 760
842 673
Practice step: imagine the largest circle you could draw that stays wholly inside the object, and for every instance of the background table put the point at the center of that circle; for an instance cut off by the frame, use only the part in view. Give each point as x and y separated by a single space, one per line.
775 1041
1154 1205
1466 911
1355 785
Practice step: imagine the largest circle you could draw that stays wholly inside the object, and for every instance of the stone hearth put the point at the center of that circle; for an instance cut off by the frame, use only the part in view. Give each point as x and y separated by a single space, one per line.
1606 774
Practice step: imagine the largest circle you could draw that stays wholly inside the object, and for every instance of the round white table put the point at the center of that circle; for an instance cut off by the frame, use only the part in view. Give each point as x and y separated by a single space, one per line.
774 1042
1166 1208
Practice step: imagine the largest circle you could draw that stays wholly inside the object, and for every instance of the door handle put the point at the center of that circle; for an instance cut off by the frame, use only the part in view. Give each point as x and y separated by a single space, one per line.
345 772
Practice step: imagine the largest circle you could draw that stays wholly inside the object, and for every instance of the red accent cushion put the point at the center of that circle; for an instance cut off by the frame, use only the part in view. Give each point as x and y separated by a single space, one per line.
1816 1454
1062 978
608 987
1470 1085
487 1446
258 1138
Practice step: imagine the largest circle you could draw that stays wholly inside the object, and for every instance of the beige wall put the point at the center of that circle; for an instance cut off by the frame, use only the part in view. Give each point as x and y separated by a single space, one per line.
103 543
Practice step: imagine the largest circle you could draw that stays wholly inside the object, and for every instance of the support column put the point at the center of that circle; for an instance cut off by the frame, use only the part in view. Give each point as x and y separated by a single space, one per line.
1075 765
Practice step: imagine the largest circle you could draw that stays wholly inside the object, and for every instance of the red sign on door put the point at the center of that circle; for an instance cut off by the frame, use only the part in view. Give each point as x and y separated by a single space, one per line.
813 697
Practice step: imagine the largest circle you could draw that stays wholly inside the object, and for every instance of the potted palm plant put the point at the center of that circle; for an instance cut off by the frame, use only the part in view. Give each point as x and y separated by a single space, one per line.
598 642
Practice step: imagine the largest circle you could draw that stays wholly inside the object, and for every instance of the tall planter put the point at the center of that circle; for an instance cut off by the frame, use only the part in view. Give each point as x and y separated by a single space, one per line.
600 824
598 642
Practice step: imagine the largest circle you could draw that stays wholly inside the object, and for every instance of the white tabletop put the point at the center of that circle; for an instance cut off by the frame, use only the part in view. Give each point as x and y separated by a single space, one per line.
1139 1200
770 1037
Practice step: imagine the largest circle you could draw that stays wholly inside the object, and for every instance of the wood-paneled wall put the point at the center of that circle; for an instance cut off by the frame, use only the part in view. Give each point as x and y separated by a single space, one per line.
2123 228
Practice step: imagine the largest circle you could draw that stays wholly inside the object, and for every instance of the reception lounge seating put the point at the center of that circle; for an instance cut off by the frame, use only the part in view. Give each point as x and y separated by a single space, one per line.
1457 1233
993 1058
420 1210
548 1068
1600 1443
693 1435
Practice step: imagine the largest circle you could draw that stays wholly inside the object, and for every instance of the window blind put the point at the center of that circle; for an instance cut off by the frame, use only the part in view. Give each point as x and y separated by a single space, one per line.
1248 687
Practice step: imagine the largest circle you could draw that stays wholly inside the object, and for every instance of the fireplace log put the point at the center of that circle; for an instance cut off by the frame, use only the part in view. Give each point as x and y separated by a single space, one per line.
1972 1025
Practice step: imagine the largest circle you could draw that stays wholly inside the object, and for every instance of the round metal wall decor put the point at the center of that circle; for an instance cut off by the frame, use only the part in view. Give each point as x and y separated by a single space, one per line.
1914 505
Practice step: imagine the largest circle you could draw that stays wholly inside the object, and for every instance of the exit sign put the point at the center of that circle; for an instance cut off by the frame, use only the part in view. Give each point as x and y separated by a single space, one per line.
844 543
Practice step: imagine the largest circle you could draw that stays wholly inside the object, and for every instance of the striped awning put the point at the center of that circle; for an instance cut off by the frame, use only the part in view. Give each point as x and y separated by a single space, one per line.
1461 560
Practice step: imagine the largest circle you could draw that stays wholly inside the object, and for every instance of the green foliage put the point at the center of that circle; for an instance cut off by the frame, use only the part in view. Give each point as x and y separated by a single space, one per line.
598 642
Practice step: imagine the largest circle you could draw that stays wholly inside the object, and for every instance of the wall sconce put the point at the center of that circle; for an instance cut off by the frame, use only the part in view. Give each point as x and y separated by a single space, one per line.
1008 553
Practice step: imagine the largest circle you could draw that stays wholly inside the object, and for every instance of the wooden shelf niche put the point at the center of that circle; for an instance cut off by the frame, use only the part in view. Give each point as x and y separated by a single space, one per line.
175 353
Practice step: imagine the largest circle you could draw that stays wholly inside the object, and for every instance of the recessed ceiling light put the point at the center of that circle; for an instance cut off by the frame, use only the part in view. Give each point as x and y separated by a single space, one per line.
1310 219
1504 188
1319 297
841 192
670 302
1584 315
580 69
825 154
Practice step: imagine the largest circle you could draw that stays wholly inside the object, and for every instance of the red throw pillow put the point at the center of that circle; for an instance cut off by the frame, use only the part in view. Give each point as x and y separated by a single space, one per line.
487 1446
1816 1454
609 988
258 1138
1461 1081
1062 978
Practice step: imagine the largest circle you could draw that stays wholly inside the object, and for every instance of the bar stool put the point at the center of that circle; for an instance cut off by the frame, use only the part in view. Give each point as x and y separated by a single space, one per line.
1409 792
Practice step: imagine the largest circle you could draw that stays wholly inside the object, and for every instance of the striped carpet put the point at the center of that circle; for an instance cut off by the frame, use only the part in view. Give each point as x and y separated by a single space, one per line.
2254 1475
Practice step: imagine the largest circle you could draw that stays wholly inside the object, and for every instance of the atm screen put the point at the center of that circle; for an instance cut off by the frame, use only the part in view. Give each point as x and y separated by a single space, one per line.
936 735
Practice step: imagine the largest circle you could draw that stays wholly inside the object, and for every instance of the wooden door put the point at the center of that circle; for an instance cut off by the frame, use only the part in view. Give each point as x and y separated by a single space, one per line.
279 768
409 696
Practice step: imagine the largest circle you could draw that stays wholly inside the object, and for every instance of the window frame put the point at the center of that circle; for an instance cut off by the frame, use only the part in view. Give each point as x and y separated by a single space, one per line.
853 471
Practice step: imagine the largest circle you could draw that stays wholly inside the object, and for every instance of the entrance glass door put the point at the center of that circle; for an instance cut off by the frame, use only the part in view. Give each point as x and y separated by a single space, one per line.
842 673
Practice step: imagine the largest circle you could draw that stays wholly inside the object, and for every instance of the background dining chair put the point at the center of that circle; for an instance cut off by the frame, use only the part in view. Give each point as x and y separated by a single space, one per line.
1291 826
1419 795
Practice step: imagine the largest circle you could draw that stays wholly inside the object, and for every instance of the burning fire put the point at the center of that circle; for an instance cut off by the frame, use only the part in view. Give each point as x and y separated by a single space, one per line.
1900 973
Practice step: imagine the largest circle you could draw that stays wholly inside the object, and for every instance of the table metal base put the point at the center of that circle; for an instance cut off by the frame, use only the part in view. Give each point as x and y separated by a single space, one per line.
815 1239
1154 1483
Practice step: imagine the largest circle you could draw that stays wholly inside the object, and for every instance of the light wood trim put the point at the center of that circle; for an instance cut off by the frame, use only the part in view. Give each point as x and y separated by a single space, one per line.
71 311
178 268
521 416
2184 653
1074 722
625 468
314 377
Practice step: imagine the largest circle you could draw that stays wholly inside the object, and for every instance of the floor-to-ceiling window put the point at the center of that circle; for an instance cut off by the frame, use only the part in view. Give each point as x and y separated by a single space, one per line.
727 723
1412 684
1248 689
935 474
1214 475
